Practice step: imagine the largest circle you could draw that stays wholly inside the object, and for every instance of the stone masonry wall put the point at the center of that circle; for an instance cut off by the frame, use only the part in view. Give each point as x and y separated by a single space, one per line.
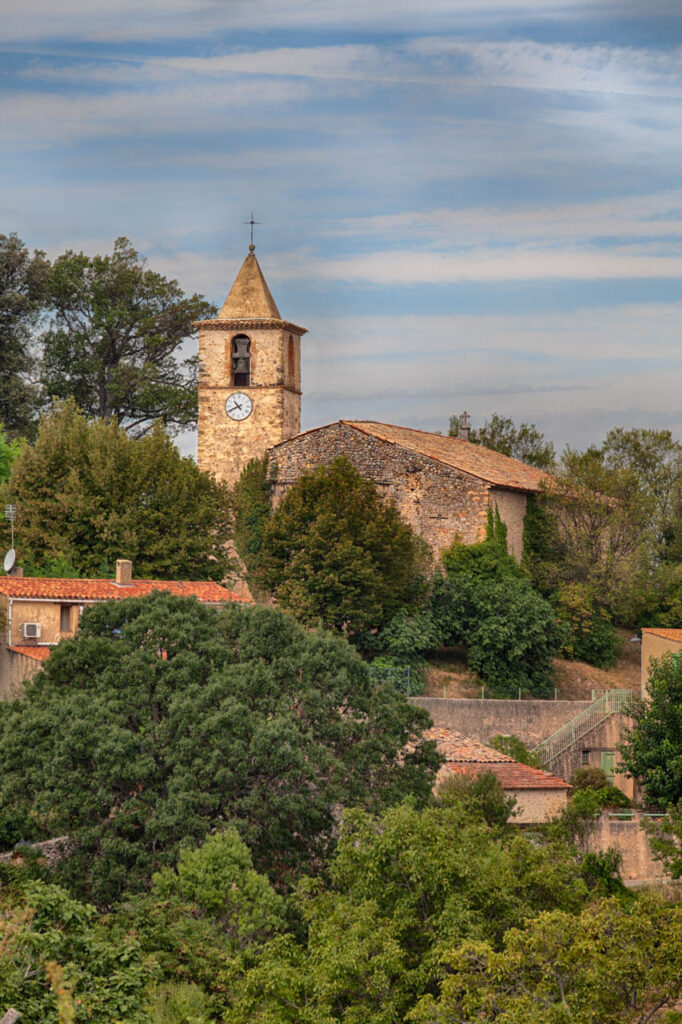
530 720
628 837
438 502
512 508
225 446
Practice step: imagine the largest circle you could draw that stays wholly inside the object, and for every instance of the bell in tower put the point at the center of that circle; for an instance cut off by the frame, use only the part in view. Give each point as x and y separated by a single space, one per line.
249 377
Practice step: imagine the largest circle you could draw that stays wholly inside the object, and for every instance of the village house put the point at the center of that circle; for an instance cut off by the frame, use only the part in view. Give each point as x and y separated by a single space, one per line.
37 613
539 794
250 407
655 643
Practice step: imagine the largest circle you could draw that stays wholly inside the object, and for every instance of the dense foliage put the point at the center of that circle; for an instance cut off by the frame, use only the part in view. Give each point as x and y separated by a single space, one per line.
251 510
23 295
334 552
524 442
114 340
652 750
163 717
87 494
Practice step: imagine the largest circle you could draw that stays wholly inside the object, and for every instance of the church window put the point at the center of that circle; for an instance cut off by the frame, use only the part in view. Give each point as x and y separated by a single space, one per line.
241 361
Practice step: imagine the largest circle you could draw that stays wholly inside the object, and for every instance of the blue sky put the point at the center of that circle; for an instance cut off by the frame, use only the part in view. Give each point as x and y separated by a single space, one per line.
469 203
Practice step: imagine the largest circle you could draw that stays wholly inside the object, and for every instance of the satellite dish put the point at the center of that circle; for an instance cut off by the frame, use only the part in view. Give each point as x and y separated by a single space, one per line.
10 559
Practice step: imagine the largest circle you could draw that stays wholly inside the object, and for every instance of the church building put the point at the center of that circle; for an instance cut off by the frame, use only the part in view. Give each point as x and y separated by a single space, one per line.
250 406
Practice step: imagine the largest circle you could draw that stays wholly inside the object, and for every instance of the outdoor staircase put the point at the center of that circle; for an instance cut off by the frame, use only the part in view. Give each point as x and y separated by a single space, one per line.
605 704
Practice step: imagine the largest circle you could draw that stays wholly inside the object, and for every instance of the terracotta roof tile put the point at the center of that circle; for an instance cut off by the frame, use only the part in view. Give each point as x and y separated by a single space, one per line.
456 747
464 755
464 455
38 653
512 776
107 590
667 634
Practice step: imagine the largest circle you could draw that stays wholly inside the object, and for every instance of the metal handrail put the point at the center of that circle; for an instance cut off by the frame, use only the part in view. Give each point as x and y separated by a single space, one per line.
610 703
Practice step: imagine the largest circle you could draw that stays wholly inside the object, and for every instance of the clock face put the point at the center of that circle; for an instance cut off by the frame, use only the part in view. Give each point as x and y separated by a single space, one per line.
238 406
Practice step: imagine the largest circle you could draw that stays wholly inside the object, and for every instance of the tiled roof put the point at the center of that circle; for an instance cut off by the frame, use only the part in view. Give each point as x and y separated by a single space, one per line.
249 295
474 459
512 776
38 653
456 747
466 756
667 634
107 590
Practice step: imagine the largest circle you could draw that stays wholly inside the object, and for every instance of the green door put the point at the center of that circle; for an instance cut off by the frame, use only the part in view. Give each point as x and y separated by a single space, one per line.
607 763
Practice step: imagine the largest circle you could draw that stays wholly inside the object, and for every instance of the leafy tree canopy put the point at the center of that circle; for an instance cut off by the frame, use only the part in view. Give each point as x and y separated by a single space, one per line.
115 341
652 750
163 718
23 298
524 442
87 494
9 453
334 552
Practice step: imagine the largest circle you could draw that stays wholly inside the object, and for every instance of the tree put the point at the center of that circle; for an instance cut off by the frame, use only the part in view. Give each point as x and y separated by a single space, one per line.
87 494
611 963
56 951
9 453
652 749
163 718
404 888
333 551
115 342
251 511
525 442
23 297
485 602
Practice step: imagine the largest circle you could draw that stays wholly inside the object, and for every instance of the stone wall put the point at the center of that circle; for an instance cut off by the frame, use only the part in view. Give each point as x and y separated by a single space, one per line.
225 446
15 670
512 508
654 646
439 502
530 720
628 837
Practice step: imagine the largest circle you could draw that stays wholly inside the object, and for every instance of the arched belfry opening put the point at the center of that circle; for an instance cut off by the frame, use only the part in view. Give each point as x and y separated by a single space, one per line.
240 361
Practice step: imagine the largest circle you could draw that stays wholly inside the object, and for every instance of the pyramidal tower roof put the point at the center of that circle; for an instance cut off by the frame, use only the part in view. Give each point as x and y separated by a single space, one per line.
249 296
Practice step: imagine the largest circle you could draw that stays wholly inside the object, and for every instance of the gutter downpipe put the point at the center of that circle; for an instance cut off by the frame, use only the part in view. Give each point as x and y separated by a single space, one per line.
9 623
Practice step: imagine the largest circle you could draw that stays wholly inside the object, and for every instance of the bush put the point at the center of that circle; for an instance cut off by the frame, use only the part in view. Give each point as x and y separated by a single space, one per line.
481 796
589 635
508 630
516 748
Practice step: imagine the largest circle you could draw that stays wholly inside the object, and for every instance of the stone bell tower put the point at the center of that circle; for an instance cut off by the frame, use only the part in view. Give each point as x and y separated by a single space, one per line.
249 377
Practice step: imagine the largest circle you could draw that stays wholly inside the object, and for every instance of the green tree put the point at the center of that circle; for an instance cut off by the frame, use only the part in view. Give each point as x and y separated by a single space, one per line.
611 963
115 343
524 442
87 494
251 512
46 935
652 749
9 453
516 748
23 298
404 888
334 552
163 718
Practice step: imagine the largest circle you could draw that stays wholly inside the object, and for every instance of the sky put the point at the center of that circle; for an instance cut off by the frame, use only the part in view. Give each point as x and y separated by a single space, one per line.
470 204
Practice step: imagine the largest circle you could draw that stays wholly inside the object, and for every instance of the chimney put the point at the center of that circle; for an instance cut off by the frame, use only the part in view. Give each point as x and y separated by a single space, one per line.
124 572
18 572
464 424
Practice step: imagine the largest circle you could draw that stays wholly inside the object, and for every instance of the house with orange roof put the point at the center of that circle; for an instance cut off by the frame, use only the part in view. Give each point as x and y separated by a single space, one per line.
539 794
37 613
656 642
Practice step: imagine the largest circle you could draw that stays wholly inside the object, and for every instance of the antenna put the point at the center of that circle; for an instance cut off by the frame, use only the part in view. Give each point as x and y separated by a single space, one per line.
11 515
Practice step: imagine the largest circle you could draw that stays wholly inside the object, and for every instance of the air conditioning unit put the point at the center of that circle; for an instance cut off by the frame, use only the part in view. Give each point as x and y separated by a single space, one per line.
31 630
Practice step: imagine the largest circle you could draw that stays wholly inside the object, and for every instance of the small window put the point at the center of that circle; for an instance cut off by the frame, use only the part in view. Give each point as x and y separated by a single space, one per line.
65 618
291 359
585 756
241 361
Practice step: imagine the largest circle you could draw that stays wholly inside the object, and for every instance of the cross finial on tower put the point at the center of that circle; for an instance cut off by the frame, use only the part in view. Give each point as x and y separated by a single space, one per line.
252 222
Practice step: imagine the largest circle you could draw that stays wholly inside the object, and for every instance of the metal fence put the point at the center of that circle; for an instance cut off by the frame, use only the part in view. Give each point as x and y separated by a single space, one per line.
611 702
400 677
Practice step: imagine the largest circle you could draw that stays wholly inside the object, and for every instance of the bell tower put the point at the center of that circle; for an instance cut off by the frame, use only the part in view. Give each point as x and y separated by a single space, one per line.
249 377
